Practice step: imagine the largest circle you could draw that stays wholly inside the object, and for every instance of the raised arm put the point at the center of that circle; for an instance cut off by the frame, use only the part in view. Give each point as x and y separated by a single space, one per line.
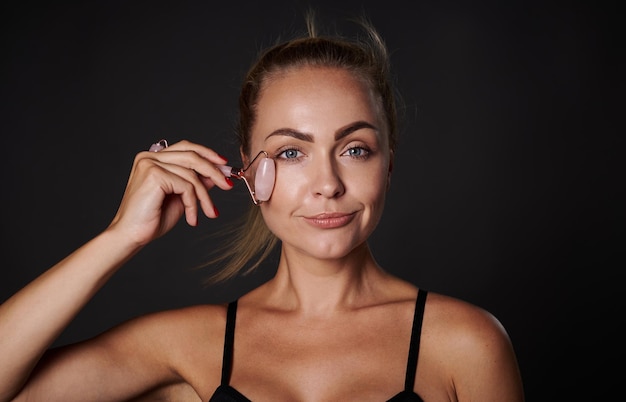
161 188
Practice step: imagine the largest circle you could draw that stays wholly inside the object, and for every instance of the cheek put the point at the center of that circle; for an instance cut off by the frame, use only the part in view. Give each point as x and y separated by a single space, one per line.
288 186
370 184
287 195
371 191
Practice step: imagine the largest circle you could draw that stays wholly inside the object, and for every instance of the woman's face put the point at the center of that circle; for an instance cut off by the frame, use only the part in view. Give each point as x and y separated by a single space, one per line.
327 137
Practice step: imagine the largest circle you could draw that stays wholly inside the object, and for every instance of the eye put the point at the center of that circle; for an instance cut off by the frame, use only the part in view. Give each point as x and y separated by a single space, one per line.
290 153
357 152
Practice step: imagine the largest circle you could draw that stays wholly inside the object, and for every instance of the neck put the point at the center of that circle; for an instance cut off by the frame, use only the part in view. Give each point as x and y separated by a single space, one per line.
321 287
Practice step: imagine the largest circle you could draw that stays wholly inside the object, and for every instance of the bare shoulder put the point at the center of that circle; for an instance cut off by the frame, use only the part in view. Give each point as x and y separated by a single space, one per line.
184 344
179 333
201 321
460 321
175 352
472 347
179 319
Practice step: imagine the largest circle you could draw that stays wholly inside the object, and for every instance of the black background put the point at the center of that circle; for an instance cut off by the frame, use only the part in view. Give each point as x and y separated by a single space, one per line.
506 188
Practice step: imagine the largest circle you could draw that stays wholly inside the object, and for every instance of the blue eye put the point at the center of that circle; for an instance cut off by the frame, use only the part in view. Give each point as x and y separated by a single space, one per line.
357 152
289 154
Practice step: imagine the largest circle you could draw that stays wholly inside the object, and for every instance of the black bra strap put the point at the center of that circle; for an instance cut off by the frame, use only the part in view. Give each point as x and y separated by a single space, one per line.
411 366
229 340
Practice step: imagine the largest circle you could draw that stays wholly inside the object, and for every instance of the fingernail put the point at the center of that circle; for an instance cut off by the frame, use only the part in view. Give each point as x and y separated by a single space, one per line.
217 213
223 157
229 181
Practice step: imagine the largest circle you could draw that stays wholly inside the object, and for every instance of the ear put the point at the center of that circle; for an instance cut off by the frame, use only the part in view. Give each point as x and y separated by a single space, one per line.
390 169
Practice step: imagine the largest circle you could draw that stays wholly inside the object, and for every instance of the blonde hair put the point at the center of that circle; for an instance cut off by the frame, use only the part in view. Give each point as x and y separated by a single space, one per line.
251 242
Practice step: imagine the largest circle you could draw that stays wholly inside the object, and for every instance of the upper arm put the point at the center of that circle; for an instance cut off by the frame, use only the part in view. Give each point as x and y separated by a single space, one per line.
487 369
473 352
136 357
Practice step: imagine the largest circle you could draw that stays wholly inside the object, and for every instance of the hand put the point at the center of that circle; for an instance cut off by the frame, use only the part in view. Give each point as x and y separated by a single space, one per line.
163 185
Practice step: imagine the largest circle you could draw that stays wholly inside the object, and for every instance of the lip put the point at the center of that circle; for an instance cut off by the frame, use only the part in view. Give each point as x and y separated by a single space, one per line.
329 220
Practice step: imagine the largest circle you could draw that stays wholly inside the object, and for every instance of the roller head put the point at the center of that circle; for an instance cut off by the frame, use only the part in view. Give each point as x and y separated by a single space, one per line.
264 179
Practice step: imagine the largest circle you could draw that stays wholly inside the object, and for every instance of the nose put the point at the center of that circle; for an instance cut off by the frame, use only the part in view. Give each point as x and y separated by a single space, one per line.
326 179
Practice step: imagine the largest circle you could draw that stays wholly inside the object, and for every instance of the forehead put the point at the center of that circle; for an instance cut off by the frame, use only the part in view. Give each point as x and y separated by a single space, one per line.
315 99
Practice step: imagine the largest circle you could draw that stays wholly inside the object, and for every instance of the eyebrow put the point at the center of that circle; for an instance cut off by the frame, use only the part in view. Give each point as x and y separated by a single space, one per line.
345 131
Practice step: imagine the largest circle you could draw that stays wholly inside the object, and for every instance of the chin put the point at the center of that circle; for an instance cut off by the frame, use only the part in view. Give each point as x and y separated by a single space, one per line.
329 250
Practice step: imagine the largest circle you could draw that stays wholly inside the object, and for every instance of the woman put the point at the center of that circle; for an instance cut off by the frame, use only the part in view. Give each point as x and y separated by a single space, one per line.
317 132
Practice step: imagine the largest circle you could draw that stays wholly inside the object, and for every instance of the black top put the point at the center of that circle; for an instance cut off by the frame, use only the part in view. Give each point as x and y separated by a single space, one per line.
226 393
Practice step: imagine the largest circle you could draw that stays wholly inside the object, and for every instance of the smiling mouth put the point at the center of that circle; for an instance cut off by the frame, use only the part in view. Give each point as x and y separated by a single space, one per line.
329 220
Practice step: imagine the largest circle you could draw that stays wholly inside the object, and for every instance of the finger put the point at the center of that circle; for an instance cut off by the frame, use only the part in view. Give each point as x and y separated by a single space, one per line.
189 201
190 159
191 188
201 150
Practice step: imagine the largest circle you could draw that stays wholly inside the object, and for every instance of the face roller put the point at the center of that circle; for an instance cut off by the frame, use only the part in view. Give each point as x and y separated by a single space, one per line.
263 180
